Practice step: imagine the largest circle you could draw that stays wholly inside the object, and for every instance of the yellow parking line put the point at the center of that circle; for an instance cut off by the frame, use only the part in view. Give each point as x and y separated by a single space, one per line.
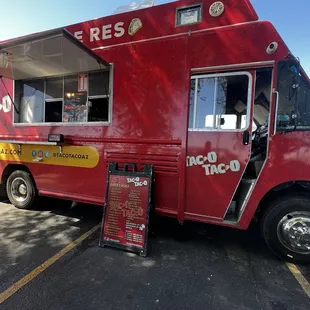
300 278
30 276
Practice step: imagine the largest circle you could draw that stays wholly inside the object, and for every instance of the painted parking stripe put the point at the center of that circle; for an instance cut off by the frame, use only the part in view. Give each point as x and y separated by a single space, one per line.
34 273
300 278
236 253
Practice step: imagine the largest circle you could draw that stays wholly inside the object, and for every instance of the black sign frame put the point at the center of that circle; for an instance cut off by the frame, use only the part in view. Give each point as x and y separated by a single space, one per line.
146 173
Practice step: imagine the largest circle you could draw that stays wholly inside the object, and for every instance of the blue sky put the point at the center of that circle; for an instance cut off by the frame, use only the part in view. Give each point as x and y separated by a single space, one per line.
20 17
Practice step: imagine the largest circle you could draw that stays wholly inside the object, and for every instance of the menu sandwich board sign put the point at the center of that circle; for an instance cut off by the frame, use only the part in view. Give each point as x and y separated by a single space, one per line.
127 206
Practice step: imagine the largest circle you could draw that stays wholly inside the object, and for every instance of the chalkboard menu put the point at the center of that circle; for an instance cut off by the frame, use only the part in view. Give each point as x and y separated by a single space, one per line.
127 208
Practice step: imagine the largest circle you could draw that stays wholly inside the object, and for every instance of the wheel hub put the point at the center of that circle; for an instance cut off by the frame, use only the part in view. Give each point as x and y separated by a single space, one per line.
19 189
22 189
294 232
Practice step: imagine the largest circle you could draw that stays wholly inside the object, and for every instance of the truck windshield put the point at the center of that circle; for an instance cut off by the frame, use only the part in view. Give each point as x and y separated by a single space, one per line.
294 98
303 106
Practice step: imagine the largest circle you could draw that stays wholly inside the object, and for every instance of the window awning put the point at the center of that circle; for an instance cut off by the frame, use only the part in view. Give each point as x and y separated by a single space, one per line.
51 53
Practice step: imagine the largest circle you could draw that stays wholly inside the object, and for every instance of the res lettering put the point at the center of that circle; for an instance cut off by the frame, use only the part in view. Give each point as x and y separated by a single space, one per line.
103 33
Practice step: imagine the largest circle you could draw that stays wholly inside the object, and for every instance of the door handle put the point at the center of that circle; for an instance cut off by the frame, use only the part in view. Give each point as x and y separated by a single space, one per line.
276 93
246 137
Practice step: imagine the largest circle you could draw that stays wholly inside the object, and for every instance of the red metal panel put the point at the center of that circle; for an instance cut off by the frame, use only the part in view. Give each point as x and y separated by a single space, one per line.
157 21
288 160
235 45
211 194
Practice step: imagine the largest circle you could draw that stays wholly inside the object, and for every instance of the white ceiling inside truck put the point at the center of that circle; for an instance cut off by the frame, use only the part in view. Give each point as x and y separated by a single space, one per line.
51 53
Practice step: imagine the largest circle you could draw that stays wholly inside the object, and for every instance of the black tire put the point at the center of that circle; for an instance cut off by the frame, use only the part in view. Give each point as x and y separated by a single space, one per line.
276 211
29 199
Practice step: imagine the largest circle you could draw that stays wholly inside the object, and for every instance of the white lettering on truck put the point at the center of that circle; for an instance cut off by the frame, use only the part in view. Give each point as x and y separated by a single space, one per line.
209 164
105 32
119 30
79 35
94 34
6 104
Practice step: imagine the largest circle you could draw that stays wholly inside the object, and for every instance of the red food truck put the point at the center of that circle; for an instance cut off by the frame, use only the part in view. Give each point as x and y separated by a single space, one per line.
202 90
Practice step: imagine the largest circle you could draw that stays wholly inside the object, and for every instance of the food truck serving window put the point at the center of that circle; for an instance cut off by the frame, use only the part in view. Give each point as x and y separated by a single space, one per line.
57 79
76 98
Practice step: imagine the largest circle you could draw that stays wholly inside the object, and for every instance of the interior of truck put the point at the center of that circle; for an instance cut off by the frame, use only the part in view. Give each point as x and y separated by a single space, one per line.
260 122
259 142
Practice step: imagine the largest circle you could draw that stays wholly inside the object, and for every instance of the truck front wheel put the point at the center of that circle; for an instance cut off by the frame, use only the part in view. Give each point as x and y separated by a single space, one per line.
21 189
286 228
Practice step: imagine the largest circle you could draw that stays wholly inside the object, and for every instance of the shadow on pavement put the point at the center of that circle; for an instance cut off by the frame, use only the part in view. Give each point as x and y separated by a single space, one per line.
54 224
84 214
234 242
29 237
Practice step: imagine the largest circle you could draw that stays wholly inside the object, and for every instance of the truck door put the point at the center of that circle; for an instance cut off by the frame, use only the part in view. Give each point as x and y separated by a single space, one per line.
219 141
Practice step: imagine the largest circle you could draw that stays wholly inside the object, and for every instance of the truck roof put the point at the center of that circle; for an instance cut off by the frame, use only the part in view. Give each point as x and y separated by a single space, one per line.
160 20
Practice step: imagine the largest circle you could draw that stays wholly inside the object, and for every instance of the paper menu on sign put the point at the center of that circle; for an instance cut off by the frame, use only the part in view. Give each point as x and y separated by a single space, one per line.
126 213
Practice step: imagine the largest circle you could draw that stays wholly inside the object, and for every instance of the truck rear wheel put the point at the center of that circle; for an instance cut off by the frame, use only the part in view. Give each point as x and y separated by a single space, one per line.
286 228
21 189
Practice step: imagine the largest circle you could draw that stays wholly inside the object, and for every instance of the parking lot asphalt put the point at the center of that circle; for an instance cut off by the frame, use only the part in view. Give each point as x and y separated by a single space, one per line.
208 268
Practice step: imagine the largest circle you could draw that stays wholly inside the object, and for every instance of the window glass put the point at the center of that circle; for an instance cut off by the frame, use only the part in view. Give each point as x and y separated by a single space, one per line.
98 110
303 113
294 97
189 15
227 121
98 83
221 102
53 111
58 99
205 102
191 104
221 92
31 101
54 88
287 77
70 84
75 108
